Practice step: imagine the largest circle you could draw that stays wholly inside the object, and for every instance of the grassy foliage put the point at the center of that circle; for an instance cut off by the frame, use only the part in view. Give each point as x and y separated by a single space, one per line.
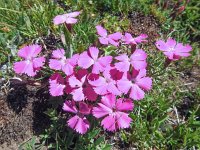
156 120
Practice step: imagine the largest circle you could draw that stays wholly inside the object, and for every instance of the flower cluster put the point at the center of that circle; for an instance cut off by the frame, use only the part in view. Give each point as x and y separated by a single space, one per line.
102 86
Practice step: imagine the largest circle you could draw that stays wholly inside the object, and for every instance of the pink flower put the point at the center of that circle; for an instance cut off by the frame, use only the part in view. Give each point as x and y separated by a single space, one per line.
62 63
90 58
68 18
114 112
130 40
137 60
81 89
136 83
57 86
31 63
79 122
173 50
105 84
105 39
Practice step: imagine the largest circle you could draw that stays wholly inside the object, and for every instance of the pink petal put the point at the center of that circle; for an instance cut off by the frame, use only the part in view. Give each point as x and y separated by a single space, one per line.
141 38
128 38
74 82
109 100
169 54
85 61
68 69
101 90
101 31
171 42
59 53
115 36
105 61
145 83
124 104
29 51
81 125
97 68
70 107
138 55
113 42
113 89
122 57
71 20
73 14
99 82
103 40
139 64
55 64
94 52
60 19
38 62
101 110
74 60
123 120
123 66
78 94
124 85
56 89
24 67
136 93
161 45
108 123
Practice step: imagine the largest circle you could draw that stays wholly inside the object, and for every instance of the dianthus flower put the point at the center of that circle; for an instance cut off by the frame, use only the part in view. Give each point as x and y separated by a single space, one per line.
90 57
137 60
106 39
60 62
114 111
79 122
133 41
172 49
136 84
68 18
31 63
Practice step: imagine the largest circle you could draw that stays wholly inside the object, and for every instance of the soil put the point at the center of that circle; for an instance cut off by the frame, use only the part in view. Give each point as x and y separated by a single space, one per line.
144 24
21 113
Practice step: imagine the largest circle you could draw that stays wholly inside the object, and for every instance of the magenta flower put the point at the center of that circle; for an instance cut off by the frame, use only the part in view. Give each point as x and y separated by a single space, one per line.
106 39
130 40
136 84
137 60
60 62
68 18
173 50
57 86
90 57
114 112
79 122
81 89
31 63
105 84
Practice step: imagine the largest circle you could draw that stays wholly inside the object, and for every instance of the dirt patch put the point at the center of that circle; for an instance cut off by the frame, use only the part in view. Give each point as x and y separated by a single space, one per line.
21 114
146 24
